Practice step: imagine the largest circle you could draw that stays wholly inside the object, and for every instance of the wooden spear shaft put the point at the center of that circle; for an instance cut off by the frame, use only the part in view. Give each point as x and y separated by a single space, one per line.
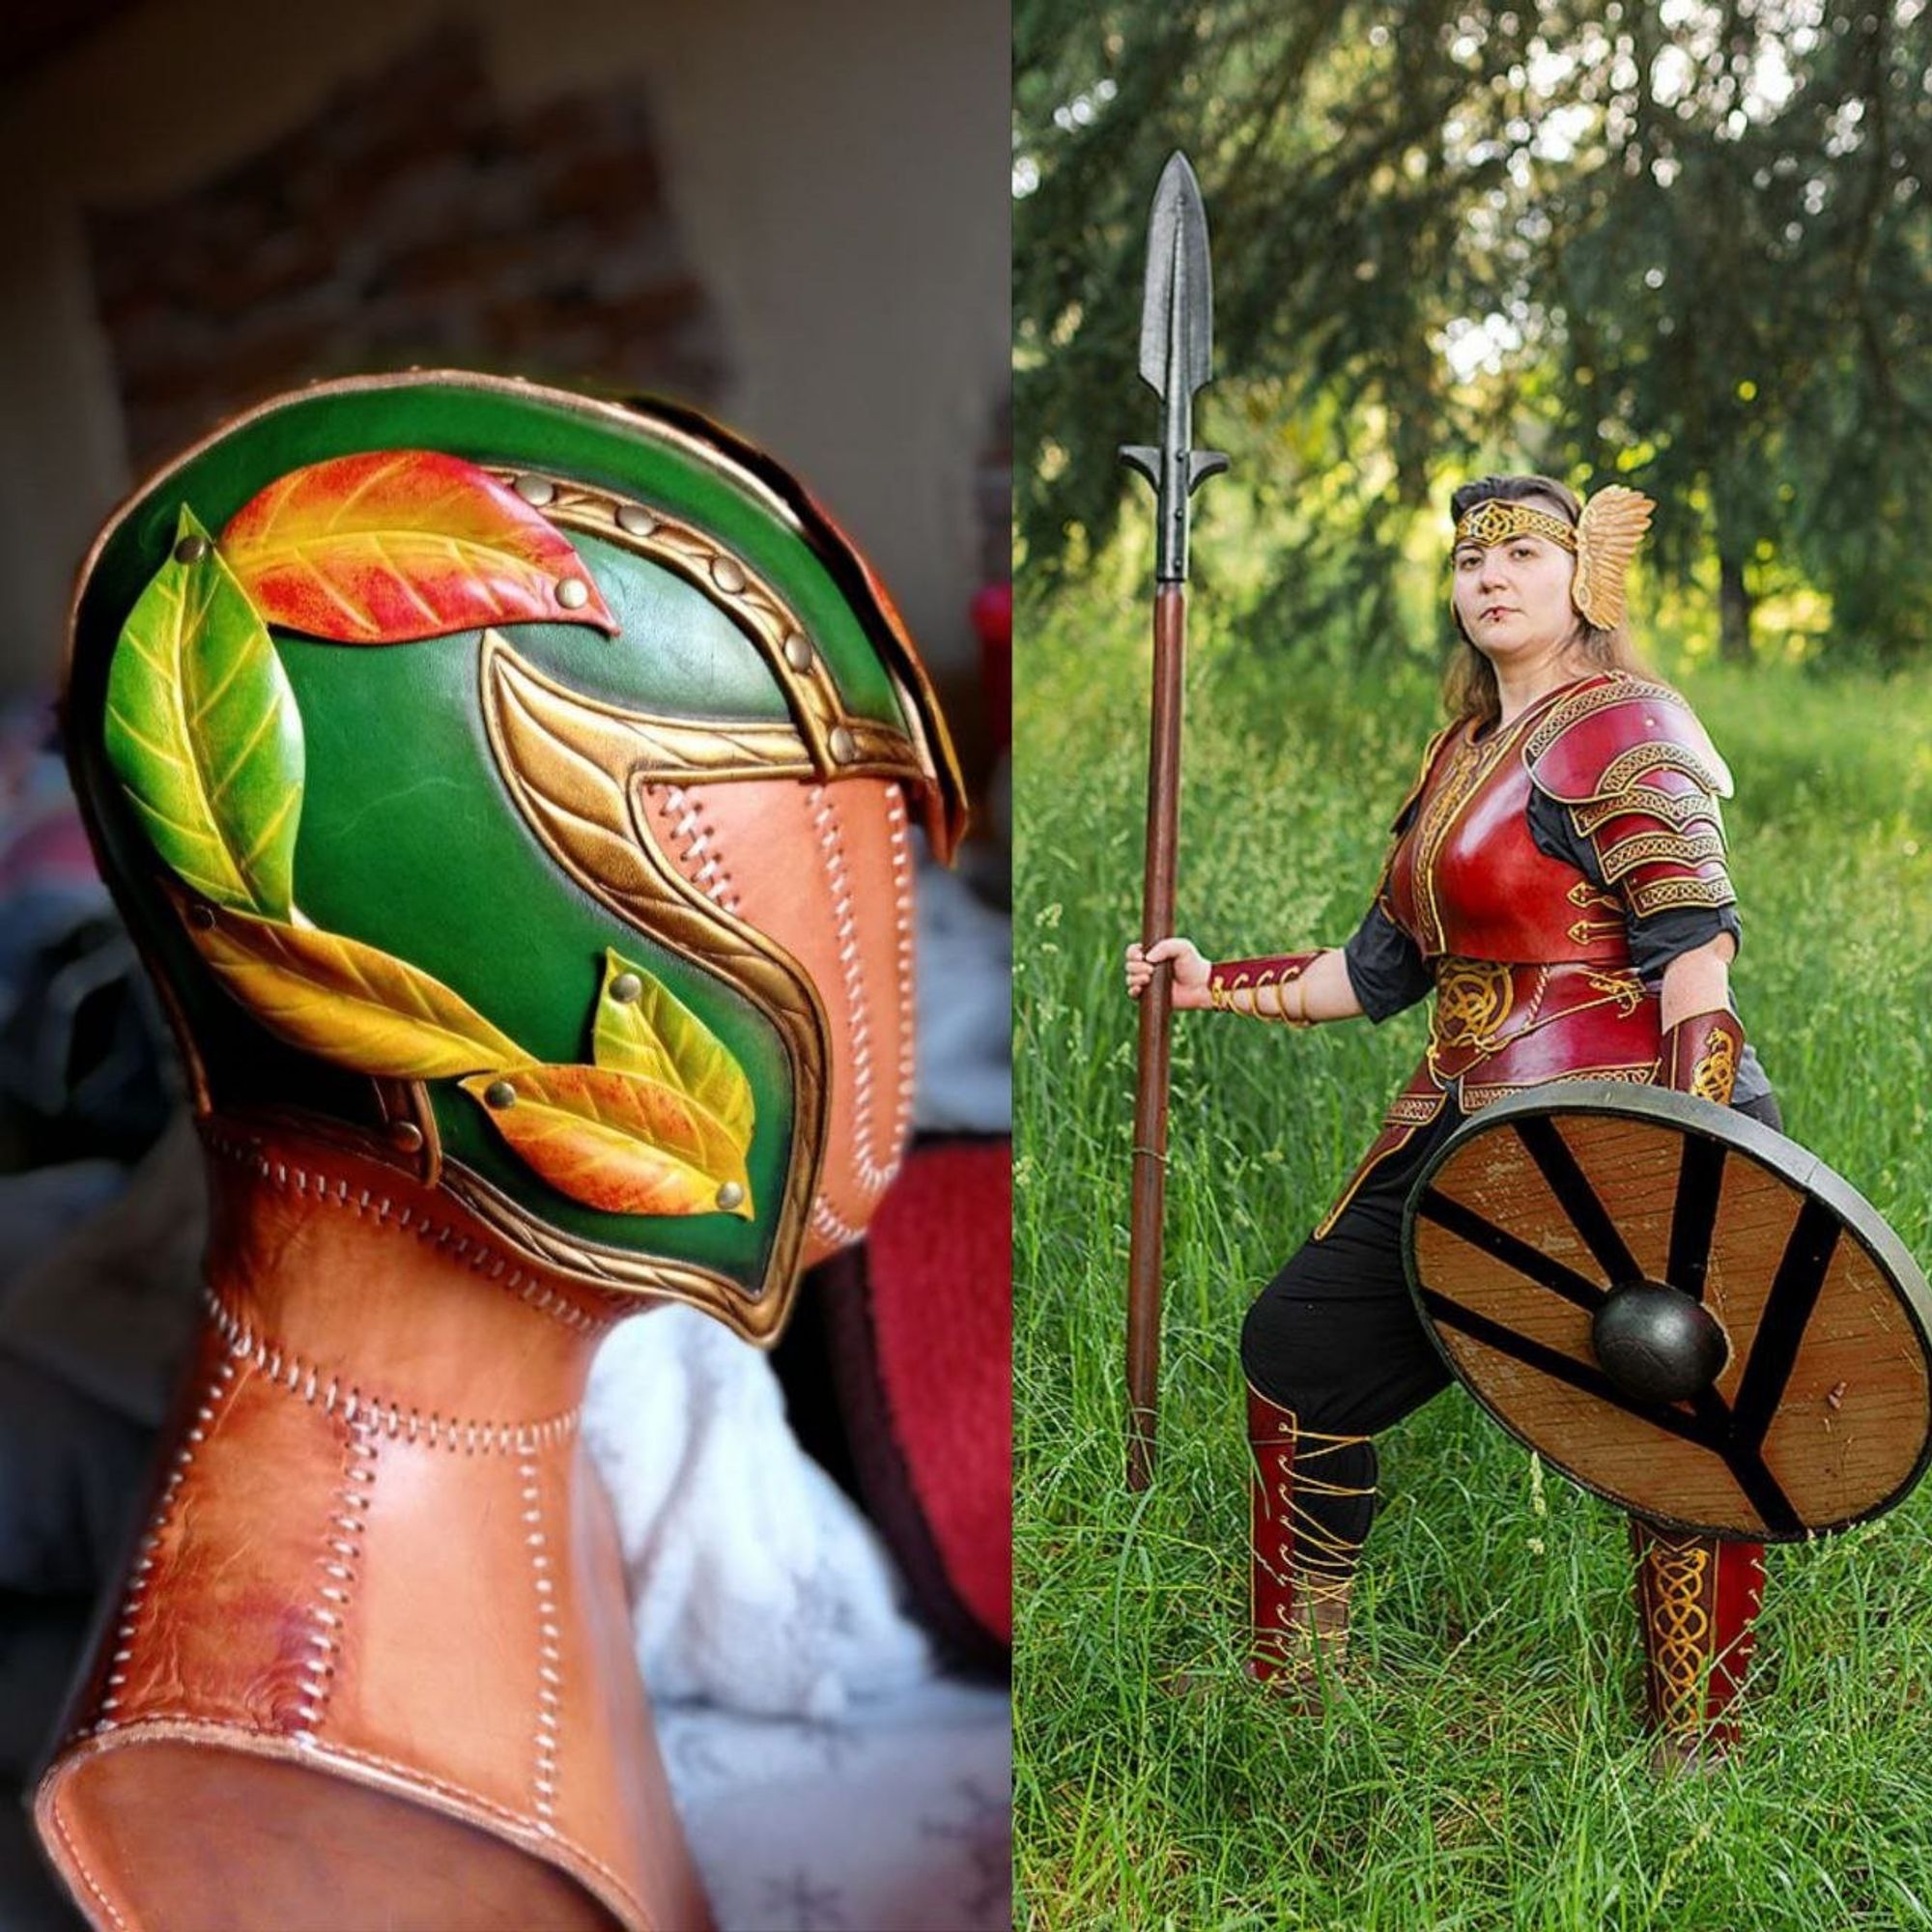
1149 1197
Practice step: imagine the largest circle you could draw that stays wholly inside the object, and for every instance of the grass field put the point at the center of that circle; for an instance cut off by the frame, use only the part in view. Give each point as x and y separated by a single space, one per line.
1483 1766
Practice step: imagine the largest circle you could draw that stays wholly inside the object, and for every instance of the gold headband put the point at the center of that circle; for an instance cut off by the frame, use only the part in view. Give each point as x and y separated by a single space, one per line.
1495 519
1602 540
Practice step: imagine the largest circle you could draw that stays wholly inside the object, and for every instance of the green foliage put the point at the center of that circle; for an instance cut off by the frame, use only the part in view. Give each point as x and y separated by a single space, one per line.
1687 250
1483 1766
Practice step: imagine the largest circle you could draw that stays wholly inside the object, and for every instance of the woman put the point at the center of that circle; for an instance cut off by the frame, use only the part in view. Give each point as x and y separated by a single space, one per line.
1557 879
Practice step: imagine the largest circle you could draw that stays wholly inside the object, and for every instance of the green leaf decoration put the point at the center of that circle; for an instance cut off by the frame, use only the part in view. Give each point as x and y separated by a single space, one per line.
203 731
653 1035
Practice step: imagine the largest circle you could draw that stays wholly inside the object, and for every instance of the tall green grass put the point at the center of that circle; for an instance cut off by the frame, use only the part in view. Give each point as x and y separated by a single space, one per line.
1481 1765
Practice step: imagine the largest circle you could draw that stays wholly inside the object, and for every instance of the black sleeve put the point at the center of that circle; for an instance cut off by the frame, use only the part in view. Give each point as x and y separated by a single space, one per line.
1385 967
1654 941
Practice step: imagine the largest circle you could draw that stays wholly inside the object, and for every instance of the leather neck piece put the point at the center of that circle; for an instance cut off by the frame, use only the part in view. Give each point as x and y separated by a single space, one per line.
374 1641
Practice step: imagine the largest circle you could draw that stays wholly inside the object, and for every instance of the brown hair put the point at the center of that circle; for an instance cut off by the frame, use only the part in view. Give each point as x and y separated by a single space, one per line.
1469 684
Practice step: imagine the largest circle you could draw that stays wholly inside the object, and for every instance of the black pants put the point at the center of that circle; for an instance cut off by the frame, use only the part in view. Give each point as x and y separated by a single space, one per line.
1335 1337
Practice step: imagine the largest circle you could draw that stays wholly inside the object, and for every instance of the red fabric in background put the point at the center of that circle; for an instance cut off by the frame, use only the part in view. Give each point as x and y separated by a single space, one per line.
993 621
940 1268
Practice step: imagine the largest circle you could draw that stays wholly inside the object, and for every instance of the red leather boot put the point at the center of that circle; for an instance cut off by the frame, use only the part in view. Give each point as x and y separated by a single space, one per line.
1303 1568
1697 1605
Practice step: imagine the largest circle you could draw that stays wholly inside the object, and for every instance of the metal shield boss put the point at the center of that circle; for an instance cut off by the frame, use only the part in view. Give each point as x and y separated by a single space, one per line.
1677 1307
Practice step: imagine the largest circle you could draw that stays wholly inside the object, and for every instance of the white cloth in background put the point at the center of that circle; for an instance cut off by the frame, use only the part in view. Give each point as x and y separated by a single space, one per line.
965 1008
755 1584
895 1820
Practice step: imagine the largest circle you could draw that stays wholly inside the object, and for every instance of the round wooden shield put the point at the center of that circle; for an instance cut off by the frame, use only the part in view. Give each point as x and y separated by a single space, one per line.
1550 1205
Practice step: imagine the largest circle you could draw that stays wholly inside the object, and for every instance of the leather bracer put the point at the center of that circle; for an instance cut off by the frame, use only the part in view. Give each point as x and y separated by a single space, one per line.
1257 987
1702 1054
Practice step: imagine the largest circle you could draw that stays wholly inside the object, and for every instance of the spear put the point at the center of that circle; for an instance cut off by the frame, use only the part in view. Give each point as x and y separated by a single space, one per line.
1176 344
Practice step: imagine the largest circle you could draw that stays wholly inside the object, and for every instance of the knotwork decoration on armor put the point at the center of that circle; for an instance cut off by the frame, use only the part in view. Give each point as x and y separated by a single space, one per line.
1472 1000
205 735
1497 520
1677 1307
1624 990
1662 895
1674 1587
1715 1075
1237 985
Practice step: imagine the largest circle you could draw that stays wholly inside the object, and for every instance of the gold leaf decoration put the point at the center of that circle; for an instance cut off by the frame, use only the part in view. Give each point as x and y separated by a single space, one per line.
202 730
652 1034
1607 533
349 1004
617 1141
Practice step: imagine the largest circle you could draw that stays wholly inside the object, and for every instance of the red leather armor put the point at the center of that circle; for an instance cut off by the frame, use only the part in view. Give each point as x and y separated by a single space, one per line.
1531 958
1702 1054
1257 987
1697 1607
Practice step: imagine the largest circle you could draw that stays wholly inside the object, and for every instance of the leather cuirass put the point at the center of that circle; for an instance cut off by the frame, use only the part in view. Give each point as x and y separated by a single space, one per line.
1466 879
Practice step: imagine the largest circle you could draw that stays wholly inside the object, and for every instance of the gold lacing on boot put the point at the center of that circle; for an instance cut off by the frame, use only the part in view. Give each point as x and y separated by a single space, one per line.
1303 1569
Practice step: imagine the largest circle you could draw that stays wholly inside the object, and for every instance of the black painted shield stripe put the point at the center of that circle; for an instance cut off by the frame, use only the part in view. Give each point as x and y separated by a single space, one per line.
1767 1497
1551 1153
1693 1214
1562 1368
1780 1330
1466 1225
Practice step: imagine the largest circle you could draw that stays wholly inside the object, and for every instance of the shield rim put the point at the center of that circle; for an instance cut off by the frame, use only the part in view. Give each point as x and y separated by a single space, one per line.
1795 1164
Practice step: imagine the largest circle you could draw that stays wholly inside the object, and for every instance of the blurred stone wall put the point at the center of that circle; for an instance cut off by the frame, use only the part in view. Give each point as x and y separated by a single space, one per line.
794 216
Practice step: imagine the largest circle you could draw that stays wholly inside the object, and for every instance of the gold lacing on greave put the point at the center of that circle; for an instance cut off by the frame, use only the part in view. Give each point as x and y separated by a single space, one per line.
1307 1565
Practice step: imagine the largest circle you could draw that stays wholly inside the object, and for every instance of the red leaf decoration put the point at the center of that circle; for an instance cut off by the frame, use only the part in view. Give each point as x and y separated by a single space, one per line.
400 544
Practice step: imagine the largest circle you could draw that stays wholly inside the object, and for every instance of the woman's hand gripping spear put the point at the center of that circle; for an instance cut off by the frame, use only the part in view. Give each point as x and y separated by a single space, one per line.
1177 342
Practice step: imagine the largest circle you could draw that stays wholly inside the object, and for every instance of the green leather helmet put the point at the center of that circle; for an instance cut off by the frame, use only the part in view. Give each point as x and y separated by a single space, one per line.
519 782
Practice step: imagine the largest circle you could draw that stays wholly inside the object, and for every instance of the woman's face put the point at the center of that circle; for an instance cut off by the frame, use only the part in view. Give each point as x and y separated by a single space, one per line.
1513 597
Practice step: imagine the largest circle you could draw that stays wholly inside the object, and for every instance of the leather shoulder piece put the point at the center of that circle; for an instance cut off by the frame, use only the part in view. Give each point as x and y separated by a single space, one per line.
1642 781
1429 754
1613 735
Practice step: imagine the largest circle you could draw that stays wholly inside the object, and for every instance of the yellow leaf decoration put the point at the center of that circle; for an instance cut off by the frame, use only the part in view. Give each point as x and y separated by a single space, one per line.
344 1002
642 1028
619 1142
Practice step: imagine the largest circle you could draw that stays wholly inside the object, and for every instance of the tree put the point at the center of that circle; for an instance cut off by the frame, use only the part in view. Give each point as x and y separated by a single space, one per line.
1680 244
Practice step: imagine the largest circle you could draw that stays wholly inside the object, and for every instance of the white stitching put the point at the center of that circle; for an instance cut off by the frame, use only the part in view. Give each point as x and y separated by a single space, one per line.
831 844
841 1233
144 1559
359 1477
479 1260
439 1431
902 913
549 1655
711 877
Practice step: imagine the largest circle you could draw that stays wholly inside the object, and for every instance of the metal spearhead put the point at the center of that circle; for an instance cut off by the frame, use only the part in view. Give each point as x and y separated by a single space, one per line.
1176 358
